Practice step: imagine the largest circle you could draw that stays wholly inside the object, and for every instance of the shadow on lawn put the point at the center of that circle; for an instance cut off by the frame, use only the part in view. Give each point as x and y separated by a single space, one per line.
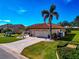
68 37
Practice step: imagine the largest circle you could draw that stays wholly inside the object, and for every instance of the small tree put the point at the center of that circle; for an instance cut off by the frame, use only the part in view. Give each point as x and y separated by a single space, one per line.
7 31
65 23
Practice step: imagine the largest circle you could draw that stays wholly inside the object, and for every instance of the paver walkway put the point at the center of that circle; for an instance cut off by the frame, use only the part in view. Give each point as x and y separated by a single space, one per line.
18 46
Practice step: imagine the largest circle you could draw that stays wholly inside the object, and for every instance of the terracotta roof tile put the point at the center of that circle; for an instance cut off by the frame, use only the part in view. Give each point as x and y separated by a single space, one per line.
44 26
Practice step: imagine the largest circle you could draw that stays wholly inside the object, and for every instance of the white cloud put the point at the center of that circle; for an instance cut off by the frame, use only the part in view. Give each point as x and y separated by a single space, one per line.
21 11
5 20
18 10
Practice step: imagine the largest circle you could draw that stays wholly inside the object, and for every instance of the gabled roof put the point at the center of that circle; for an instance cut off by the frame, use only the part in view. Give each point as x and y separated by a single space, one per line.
44 26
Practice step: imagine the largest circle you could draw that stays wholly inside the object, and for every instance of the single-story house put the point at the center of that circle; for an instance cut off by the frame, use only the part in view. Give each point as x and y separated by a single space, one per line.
42 30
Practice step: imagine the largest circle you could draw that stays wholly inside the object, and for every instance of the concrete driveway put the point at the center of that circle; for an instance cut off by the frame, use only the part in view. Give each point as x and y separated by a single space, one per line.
18 46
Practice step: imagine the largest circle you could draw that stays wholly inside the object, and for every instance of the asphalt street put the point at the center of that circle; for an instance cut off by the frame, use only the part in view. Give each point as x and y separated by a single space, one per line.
6 55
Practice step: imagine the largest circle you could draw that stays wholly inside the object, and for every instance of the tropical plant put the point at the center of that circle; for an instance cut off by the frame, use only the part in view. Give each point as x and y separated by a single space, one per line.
7 31
49 14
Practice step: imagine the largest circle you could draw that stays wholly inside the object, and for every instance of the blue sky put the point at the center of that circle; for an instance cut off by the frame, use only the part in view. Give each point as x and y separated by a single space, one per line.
28 12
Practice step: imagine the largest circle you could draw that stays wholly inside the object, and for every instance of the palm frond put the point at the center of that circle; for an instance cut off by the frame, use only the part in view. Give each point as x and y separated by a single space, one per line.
52 8
45 12
56 14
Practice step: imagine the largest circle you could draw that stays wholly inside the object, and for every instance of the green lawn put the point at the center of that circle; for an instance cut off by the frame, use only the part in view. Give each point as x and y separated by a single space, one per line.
4 39
8 39
76 38
42 50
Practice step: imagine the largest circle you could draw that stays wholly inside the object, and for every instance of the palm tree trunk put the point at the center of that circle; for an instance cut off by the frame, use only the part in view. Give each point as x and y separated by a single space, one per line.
50 28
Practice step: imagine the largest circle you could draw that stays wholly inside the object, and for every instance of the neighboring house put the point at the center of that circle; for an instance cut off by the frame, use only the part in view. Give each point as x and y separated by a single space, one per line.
67 27
42 30
75 27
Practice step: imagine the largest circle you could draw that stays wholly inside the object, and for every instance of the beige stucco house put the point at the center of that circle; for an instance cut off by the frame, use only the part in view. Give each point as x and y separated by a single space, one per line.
42 30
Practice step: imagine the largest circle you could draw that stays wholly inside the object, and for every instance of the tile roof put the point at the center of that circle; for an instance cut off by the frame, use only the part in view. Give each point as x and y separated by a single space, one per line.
44 26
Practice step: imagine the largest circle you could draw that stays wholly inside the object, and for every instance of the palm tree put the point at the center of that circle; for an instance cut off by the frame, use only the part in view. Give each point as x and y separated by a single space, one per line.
49 14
